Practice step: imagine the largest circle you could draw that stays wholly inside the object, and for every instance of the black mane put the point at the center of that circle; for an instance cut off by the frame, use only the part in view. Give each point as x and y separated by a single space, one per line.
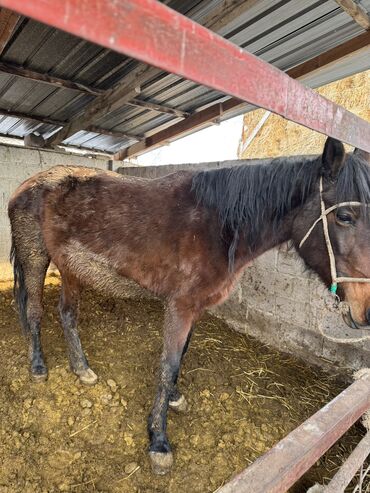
250 198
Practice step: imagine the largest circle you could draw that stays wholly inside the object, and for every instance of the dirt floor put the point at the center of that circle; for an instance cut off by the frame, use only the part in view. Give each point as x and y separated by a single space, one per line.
62 436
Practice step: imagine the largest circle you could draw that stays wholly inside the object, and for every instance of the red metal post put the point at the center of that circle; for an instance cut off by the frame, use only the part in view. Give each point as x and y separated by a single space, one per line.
155 34
278 469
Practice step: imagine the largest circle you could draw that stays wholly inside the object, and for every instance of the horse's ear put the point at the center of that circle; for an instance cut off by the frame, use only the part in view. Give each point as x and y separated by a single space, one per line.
362 154
333 157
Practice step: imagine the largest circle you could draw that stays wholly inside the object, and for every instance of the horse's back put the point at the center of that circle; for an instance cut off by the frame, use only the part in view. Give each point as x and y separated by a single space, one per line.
49 179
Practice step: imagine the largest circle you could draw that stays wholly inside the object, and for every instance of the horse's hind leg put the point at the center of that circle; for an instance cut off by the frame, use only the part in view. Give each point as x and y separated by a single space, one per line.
30 262
68 309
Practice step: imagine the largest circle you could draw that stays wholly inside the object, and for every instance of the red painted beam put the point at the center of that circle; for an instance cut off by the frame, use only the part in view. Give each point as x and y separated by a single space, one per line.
278 469
153 33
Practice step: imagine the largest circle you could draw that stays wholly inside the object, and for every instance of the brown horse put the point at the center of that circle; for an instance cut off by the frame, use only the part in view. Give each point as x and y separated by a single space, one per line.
185 237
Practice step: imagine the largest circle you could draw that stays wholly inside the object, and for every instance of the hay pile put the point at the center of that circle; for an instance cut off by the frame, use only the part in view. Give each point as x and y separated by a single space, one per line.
280 137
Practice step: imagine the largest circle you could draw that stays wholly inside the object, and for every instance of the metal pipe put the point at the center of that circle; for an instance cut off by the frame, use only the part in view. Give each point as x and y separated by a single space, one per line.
278 469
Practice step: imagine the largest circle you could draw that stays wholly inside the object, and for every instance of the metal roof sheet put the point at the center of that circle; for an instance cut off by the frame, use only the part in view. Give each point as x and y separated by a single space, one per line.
285 33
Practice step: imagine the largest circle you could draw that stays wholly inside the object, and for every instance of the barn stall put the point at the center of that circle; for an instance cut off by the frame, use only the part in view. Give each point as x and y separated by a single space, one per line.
64 93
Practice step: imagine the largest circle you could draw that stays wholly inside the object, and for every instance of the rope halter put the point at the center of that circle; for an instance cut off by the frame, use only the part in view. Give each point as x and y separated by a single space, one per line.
323 217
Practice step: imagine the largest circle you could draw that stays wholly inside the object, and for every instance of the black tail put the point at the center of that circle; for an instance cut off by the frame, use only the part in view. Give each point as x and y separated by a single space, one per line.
20 292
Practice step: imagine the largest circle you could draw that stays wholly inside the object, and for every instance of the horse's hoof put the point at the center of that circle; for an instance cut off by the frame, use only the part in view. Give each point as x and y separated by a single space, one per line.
87 376
180 406
161 462
39 375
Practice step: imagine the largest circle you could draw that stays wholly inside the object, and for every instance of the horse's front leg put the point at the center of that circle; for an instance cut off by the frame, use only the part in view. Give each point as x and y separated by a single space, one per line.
177 325
177 400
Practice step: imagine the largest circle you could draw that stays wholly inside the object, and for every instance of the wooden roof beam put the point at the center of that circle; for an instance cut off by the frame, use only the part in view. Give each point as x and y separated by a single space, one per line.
158 107
102 105
194 122
8 23
59 123
127 90
19 71
356 11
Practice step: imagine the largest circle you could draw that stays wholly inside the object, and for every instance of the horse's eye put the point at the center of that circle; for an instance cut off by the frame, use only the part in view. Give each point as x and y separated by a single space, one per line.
344 217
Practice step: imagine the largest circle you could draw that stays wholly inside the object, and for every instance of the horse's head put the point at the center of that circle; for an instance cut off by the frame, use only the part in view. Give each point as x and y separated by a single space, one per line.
345 178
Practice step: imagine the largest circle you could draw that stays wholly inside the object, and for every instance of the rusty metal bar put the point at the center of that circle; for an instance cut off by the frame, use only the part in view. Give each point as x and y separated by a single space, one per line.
208 115
347 471
177 44
278 469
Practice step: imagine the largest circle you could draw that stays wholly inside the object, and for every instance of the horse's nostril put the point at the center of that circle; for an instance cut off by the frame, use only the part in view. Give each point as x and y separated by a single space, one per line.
368 315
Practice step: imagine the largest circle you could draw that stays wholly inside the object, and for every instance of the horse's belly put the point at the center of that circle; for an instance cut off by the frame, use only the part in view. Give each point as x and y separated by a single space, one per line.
95 271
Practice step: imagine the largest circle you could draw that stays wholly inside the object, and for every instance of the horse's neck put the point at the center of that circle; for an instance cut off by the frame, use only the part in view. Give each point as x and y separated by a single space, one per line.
269 239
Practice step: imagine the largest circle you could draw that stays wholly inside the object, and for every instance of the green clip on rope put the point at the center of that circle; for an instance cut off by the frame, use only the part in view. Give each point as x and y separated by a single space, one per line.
333 288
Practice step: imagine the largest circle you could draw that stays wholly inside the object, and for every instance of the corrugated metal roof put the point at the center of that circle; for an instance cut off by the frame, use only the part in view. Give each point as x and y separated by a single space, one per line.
285 33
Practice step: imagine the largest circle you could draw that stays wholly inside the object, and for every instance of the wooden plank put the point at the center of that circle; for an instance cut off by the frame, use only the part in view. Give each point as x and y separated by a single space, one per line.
180 129
278 469
13 69
8 23
196 53
356 11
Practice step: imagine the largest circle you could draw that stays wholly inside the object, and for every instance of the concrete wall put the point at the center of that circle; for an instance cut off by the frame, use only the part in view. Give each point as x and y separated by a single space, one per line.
280 303
18 164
